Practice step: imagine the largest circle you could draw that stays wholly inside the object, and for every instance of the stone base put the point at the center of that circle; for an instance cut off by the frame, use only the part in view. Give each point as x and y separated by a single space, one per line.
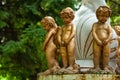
80 77
86 64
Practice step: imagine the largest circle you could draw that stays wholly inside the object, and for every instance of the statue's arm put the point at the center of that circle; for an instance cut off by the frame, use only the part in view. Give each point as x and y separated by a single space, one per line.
47 38
109 34
95 36
73 31
59 34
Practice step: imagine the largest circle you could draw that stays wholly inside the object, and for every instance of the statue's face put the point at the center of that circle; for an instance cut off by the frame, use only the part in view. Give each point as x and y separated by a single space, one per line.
46 26
103 17
117 30
66 18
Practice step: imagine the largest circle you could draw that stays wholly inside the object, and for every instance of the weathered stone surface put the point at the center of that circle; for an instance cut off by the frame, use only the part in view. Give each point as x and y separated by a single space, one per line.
80 77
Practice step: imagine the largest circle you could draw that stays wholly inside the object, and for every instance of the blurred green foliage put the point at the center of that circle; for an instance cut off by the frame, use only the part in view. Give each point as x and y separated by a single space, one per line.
22 36
115 7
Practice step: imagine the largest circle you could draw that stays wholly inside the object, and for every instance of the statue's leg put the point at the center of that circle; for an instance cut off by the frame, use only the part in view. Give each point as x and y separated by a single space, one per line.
106 52
63 53
71 54
96 55
51 55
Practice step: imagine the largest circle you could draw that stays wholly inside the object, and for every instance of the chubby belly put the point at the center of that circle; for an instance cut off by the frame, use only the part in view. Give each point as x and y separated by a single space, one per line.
65 35
102 34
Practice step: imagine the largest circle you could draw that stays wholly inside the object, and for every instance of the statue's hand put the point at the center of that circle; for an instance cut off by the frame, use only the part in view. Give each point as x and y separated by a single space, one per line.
100 43
66 41
105 42
53 31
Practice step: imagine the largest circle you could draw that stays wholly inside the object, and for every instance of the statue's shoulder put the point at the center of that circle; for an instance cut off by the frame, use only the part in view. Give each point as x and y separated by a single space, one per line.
95 24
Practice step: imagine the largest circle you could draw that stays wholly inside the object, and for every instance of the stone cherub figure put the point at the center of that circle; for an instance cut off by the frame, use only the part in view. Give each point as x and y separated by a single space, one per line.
117 30
67 41
102 36
50 44
118 68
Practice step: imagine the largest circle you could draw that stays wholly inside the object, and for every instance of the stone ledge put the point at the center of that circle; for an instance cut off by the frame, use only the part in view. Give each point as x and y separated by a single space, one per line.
80 77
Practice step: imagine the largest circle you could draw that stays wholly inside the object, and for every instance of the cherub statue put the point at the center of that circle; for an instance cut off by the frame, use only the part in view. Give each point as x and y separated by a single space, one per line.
117 70
102 35
117 30
50 44
66 39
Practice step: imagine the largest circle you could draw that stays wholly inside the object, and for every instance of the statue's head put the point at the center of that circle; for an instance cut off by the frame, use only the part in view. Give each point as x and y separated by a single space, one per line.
67 14
48 22
117 29
103 13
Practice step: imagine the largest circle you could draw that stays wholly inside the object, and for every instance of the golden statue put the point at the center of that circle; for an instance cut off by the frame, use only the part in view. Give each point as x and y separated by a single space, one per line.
117 70
50 44
67 41
117 30
102 35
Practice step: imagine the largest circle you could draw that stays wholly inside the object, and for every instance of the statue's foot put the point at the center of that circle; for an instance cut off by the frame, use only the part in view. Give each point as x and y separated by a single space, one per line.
73 69
70 71
56 68
76 66
70 68
95 70
108 69
65 71
61 71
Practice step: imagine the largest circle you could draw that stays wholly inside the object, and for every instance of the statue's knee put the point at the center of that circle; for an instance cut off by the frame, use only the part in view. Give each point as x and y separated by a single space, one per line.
96 55
105 54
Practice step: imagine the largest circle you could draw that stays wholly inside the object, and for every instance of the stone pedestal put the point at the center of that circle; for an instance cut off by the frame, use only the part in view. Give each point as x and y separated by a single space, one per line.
80 77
